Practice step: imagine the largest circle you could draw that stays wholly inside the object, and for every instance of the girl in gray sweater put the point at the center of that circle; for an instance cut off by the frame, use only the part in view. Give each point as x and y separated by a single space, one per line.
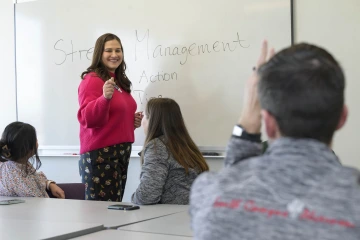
170 159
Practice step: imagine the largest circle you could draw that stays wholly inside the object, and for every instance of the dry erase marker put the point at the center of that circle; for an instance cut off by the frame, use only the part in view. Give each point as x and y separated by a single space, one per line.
116 86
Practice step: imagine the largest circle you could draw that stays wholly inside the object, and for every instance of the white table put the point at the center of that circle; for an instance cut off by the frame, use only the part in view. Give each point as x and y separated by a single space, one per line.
175 224
125 235
60 210
27 229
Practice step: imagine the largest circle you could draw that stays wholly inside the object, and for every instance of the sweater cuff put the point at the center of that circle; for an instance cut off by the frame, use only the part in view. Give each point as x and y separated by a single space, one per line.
48 182
239 150
104 101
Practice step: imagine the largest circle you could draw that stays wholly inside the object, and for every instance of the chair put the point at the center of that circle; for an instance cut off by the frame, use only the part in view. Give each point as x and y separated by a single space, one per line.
72 190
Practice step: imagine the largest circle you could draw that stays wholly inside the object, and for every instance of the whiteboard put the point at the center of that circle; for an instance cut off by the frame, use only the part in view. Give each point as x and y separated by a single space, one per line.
199 53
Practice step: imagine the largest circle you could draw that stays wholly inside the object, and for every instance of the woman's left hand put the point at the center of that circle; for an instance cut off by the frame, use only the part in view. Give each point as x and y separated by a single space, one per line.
56 191
138 118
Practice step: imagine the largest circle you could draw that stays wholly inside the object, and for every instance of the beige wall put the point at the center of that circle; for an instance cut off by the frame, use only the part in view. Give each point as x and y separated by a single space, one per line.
7 64
334 25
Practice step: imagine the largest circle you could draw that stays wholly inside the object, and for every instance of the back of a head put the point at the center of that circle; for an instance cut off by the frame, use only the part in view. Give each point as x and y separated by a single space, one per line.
18 143
303 88
165 119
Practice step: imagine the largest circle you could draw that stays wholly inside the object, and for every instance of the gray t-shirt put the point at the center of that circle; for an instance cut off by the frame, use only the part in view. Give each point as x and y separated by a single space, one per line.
162 179
297 190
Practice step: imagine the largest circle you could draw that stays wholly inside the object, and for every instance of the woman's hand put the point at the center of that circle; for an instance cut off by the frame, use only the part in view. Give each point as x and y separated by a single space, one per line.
108 88
138 117
56 191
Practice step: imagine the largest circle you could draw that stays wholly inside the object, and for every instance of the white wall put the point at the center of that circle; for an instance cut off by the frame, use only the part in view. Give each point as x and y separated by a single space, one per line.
7 64
334 25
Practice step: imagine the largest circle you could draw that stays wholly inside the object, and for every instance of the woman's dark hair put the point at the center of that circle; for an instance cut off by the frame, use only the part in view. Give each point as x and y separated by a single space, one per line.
99 68
19 144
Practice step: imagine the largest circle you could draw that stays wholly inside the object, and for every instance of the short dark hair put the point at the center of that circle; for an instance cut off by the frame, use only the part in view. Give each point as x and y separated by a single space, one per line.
303 88
19 144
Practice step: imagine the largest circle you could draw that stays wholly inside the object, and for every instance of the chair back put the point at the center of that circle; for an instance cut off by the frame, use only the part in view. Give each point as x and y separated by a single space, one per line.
72 190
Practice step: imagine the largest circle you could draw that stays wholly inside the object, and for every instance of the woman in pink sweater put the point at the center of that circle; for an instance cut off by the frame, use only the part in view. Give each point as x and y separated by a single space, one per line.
107 120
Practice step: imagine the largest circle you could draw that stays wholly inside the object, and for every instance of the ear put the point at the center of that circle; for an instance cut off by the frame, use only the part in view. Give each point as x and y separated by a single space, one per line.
271 126
343 117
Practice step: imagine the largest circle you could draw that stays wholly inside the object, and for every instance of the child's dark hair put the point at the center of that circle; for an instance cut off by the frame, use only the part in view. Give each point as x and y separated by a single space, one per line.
19 144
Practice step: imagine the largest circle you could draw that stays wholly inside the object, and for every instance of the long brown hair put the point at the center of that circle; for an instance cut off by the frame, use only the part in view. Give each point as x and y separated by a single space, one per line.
98 67
165 119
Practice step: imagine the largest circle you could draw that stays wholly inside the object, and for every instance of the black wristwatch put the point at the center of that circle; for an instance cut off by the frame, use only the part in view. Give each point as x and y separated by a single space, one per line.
240 132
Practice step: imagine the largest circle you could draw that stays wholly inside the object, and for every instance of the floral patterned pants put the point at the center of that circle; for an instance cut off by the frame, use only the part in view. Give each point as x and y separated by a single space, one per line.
104 172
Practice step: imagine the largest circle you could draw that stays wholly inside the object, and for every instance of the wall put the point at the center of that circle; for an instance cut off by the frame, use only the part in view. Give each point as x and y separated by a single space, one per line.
334 25
329 23
7 63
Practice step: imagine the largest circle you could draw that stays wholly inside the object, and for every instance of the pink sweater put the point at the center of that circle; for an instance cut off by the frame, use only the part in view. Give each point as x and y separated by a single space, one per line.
104 122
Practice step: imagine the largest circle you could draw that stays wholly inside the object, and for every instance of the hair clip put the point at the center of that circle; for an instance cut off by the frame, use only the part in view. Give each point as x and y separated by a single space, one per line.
6 151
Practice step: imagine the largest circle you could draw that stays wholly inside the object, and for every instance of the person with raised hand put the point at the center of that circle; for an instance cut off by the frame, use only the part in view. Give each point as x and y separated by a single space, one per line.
298 188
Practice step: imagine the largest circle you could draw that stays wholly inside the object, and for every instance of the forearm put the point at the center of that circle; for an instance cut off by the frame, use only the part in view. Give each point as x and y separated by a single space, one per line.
95 113
239 150
145 197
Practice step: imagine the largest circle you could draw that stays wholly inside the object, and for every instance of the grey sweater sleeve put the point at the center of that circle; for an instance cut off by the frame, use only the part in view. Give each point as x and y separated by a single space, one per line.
154 173
239 149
